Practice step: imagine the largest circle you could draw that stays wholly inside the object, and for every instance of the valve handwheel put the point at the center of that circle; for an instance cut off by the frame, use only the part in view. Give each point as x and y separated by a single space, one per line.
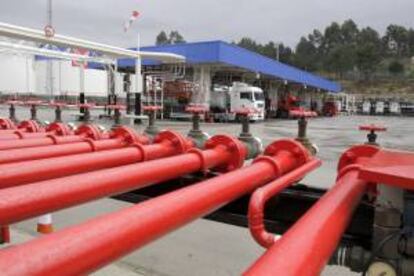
372 129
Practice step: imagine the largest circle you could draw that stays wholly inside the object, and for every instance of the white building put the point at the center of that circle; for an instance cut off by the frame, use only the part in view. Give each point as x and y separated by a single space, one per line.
17 73
23 74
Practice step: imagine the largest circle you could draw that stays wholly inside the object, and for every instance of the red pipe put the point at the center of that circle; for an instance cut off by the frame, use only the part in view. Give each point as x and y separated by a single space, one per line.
119 138
6 123
67 253
85 131
28 126
307 246
31 130
263 194
167 143
22 202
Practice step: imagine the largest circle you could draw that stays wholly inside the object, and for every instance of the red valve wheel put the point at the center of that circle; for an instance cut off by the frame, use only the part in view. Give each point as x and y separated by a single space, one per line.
33 102
152 108
57 104
116 106
196 109
14 102
86 105
245 111
302 114
372 127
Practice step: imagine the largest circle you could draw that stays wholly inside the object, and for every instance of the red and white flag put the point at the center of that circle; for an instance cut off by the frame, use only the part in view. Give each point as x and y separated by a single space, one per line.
131 20
82 52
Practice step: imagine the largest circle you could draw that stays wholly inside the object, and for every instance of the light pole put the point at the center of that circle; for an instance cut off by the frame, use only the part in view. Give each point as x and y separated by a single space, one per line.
49 66
138 75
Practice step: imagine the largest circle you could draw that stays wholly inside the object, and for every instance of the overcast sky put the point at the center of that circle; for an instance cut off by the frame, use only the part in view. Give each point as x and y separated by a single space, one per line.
197 20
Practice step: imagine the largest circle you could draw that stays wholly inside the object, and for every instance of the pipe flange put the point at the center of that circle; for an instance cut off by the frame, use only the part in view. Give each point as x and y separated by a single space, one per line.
6 123
59 129
203 164
237 149
30 126
91 143
301 154
141 149
354 155
347 169
128 135
89 131
54 138
19 134
276 168
177 140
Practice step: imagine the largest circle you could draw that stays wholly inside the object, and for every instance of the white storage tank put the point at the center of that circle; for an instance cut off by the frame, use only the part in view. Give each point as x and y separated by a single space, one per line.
379 107
395 108
366 107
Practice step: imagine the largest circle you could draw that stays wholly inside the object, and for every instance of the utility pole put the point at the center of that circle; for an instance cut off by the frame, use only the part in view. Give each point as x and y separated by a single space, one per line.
277 51
49 64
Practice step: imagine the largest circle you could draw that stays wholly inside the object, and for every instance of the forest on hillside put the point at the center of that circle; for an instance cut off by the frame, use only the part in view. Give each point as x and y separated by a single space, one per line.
340 51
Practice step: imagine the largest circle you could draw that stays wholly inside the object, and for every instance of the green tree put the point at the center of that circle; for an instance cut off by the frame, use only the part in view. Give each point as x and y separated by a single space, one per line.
350 32
332 37
249 44
269 50
340 59
162 38
396 40
338 47
286 54
411 42
396 68
306 55
175 38
368 51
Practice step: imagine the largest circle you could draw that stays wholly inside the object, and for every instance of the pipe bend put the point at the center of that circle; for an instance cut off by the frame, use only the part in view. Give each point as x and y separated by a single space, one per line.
262 195
256 219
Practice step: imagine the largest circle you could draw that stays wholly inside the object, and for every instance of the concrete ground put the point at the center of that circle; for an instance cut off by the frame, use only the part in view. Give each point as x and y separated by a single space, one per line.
211 248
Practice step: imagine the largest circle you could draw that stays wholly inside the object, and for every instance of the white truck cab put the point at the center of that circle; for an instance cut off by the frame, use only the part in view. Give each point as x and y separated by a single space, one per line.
245 96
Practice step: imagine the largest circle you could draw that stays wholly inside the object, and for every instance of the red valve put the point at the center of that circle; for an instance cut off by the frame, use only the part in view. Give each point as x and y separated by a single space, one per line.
116 106
197 108
58 104
245 111
372 128
152 108
86 105
33 102
372 136
14 102
302 114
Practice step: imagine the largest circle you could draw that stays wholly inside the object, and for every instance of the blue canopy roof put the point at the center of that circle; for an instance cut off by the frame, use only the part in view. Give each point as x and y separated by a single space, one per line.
225 53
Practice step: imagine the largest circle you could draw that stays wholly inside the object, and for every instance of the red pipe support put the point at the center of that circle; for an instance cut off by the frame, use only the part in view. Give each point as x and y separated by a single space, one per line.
22 202
307 246
167 143
263 194
65 253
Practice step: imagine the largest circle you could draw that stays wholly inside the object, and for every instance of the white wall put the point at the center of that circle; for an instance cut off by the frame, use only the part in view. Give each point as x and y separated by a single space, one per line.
22 74
17 73
66 79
